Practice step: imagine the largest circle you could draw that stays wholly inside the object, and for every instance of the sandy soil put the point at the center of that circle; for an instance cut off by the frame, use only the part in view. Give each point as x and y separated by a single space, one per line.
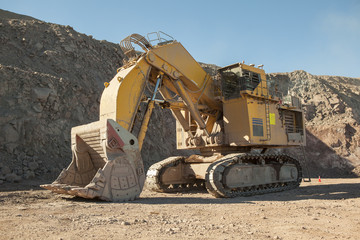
317 210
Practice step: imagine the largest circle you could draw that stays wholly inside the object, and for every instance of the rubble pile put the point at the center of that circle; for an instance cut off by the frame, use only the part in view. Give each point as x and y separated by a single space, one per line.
51 79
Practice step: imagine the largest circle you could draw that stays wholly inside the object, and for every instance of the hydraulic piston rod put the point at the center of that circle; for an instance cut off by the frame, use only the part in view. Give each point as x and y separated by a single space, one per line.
149 109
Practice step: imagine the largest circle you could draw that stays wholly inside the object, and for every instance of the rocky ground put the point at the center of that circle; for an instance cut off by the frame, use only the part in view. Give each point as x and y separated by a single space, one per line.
317 210
51 79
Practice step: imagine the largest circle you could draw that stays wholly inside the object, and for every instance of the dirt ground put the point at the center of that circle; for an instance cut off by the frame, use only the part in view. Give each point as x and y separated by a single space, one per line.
318 210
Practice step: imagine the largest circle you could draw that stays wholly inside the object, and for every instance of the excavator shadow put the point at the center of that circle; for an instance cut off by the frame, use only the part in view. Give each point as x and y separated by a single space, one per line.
340 191
328 189
321 192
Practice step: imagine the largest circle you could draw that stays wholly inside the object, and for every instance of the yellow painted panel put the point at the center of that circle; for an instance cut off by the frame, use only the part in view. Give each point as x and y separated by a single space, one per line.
236 122
272 118
121 98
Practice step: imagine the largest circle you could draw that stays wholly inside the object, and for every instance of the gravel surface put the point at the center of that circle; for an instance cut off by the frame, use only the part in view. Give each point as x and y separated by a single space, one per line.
318 210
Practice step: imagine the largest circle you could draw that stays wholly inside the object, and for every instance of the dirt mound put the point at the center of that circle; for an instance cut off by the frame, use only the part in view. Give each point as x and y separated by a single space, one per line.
51 79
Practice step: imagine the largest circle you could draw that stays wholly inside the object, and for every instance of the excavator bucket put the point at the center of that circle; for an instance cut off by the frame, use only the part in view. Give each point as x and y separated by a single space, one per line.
106 164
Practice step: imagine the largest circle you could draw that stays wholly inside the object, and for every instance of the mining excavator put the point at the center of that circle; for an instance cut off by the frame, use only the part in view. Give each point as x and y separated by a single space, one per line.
231 119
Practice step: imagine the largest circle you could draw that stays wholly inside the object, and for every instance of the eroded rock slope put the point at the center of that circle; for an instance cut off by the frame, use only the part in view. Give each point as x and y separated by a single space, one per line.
332 112
51 79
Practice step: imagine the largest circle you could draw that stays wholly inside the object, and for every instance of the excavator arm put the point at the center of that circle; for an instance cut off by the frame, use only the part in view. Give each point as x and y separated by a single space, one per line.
106 161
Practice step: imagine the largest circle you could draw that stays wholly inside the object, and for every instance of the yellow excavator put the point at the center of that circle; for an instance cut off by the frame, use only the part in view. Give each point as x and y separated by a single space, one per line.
232 119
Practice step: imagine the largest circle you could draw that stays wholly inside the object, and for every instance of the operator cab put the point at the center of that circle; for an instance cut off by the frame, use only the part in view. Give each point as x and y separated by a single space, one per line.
239 77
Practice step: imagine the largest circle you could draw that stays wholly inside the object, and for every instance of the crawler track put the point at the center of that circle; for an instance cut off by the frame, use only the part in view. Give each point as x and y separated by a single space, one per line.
214 176
215 172
153 178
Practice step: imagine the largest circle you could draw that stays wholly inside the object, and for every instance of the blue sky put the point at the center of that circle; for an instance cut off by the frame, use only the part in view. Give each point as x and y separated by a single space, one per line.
319 36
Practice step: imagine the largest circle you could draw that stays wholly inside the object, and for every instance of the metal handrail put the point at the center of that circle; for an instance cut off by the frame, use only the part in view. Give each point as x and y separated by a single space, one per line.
127 47
159 38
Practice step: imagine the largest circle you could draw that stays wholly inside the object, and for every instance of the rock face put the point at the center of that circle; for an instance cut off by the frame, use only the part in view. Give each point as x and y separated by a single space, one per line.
332 112
52 77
